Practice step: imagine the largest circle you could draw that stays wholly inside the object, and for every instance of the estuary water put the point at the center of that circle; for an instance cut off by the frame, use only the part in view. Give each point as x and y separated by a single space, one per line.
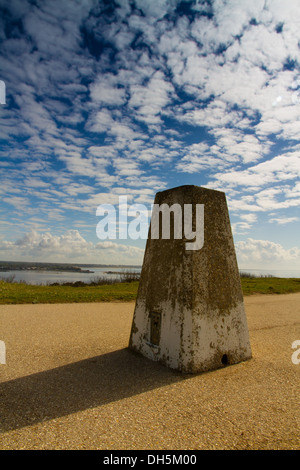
47 277
110 272
273 272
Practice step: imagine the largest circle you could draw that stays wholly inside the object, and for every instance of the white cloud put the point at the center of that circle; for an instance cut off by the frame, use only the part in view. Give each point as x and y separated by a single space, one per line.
284 220
271 55
93 167
33 182
126 167
278 169
144 182
105 90
101 121
120 254
148 101
264 253
285 13
232 147
124 7
102 151
122 129
69 247
251 218
21 203
48 33
156 9
215 115
240 228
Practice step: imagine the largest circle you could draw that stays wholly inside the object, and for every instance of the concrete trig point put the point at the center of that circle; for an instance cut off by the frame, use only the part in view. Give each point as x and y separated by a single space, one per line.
189 312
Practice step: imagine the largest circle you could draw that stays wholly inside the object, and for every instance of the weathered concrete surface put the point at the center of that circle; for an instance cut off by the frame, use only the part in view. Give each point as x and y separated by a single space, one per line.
189 312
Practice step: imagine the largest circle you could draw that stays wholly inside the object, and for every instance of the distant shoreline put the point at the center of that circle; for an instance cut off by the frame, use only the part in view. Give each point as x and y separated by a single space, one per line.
6 266
120 272
75 269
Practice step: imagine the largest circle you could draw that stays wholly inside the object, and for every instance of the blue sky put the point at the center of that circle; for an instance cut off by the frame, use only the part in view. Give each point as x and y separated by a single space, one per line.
110 98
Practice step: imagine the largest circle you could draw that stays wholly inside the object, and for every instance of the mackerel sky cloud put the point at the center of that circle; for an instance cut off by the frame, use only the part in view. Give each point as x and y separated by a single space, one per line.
124 97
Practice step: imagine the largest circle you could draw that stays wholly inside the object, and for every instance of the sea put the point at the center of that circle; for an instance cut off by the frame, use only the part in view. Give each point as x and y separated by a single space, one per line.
111 272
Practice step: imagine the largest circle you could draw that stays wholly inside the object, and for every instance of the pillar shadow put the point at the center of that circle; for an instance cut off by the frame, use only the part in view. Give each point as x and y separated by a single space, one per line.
76 387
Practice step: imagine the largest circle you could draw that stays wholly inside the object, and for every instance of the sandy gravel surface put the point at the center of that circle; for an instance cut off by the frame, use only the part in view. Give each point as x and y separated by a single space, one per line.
71 383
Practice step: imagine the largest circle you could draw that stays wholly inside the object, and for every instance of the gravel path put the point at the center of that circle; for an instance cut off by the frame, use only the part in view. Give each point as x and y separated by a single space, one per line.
71 383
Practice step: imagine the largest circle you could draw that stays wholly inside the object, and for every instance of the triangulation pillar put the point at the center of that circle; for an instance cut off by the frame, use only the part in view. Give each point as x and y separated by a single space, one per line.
189 312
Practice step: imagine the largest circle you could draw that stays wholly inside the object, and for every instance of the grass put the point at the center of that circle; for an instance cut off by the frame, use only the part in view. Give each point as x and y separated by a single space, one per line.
21 293
270 285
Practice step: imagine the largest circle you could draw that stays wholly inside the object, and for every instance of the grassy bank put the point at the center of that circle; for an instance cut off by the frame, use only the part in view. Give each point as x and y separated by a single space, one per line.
21 293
